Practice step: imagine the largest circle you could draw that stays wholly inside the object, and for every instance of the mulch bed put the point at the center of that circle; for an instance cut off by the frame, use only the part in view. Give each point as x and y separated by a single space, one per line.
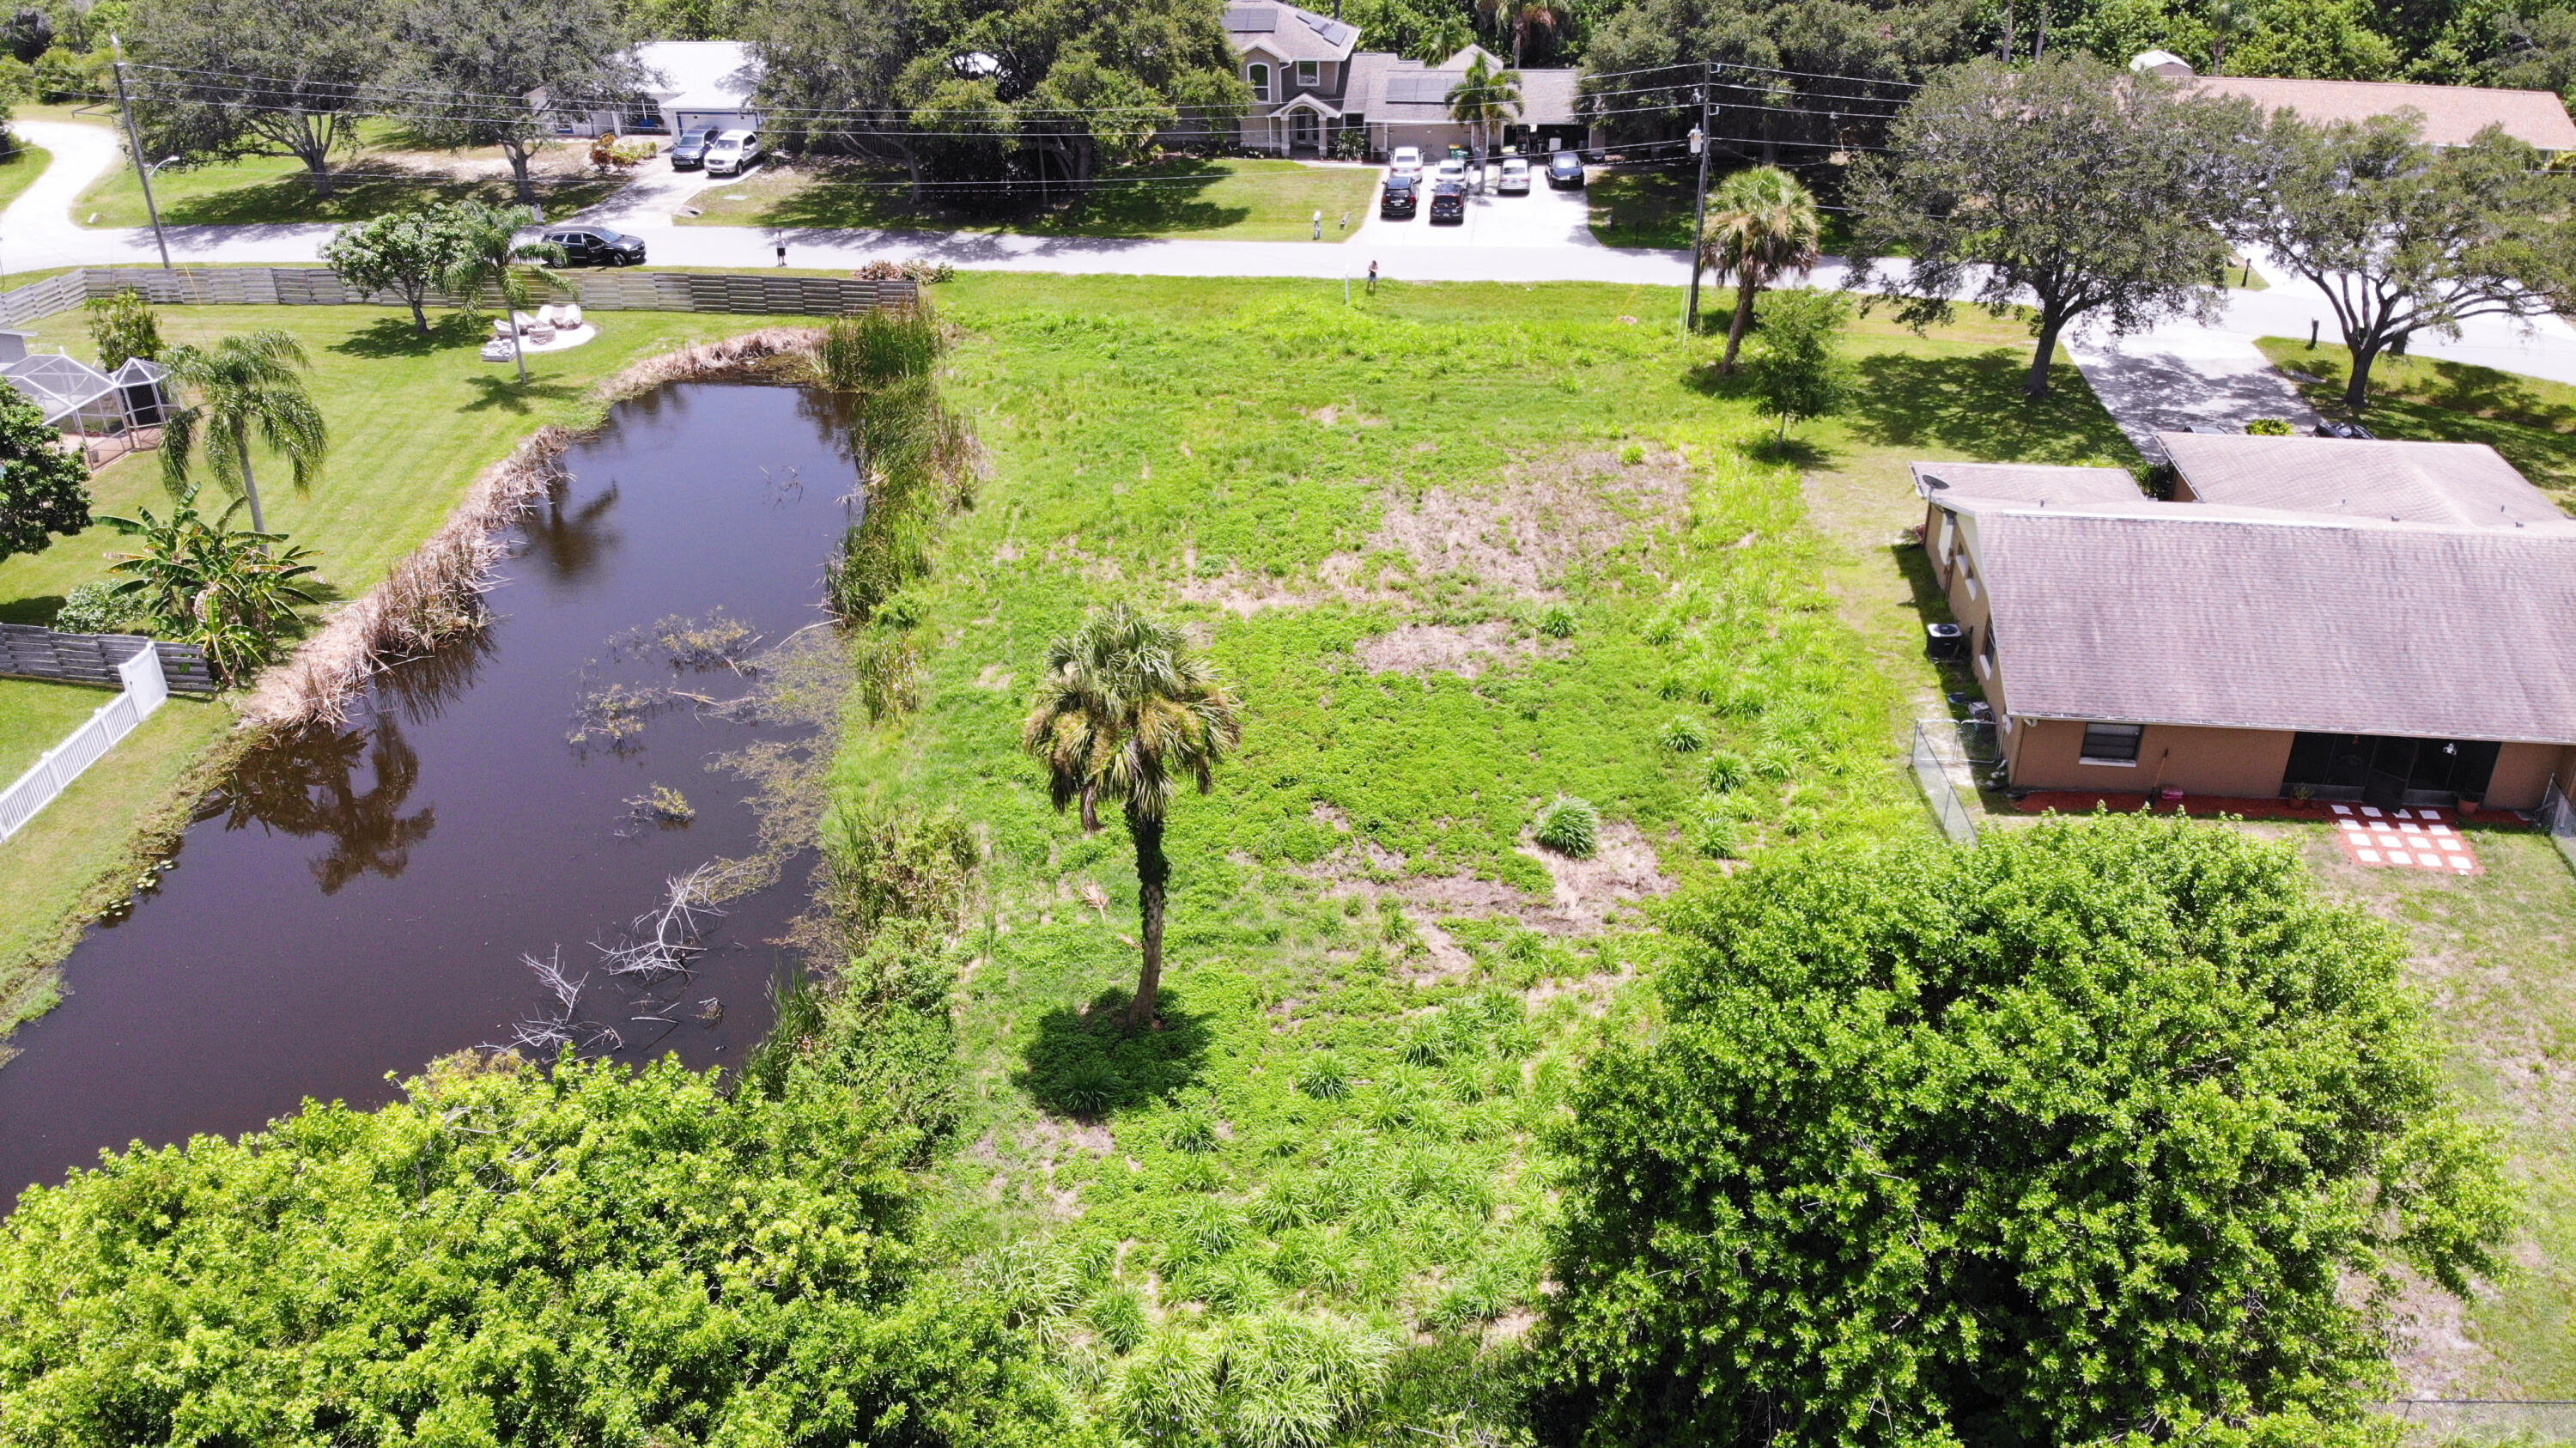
2073 801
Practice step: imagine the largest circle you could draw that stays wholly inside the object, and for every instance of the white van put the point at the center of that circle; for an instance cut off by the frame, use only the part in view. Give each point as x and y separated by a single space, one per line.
732 153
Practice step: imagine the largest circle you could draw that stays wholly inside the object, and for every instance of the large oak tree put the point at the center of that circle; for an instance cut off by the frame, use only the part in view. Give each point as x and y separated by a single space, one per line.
2087 192
222 78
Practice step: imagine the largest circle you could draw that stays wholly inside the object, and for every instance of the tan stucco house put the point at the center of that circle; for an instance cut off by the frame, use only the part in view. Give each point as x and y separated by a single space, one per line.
2379 621
1310 82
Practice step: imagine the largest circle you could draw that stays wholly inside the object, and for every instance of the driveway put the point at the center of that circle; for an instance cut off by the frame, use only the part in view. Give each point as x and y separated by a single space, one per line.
2167 379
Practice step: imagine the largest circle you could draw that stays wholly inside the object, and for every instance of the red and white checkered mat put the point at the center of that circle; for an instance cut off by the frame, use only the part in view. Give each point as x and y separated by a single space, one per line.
2420 839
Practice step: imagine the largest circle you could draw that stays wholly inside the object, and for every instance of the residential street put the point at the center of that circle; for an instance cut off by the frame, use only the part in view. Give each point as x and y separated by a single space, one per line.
2165 378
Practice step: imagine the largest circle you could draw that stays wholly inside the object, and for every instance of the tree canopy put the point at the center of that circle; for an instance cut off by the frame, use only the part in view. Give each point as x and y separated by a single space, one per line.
408 253
472 64
220 78
2098 193
2108 1126
43 489
2403 238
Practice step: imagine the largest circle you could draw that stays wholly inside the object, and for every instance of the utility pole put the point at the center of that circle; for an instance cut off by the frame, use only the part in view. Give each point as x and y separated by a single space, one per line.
1699 214
134 144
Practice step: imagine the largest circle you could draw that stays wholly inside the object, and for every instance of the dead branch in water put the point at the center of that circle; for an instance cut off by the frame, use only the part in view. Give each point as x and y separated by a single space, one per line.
668 935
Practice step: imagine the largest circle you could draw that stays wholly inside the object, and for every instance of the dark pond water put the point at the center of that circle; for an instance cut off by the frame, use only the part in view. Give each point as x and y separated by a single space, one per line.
355 903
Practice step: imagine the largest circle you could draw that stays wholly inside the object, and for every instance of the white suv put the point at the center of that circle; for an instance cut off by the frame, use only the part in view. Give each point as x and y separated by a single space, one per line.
1407 161
732 153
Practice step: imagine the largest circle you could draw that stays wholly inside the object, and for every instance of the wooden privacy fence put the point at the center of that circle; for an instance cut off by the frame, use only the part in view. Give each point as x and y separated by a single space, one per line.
144 691
69 658
755 293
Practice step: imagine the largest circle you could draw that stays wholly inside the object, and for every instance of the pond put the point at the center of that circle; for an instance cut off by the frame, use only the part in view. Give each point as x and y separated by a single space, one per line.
353 903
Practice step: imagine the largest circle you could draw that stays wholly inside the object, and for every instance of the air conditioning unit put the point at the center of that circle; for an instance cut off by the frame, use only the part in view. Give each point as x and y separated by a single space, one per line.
1945 641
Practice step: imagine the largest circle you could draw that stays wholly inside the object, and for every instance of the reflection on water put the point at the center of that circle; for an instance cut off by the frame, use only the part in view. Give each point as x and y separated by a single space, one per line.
355 901
306 784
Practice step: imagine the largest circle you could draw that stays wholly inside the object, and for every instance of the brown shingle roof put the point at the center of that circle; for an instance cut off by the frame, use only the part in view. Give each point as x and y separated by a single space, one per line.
2420 482
2205 615
2453 114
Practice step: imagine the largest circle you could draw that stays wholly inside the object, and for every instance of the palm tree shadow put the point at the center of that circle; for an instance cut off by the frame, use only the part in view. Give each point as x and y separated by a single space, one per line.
505 394
1086 1062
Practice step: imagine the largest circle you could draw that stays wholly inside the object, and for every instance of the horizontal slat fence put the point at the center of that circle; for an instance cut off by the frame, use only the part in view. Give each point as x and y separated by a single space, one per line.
30 652
144 691
754 293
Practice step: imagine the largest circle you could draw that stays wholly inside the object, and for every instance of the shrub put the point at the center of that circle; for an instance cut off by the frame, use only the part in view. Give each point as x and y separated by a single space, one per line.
1571 827
94 608
122 325
1684 734
1991 1079
1118 1315
1556 621
1193 1129
1632 454
1716 836
2270 427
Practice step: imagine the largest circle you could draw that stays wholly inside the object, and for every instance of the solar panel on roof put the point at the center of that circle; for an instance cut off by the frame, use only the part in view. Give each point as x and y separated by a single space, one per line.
1251 17
1429 87
1333 31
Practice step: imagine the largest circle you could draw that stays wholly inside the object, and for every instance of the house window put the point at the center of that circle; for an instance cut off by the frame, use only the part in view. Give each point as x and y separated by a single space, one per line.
1944 534
1308 72
1259 75
1986 652
2111 743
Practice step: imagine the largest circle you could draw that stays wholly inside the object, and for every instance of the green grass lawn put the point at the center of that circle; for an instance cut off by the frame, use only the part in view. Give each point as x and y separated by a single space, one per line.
413 420
34 717
2531 421
1651 206
1277 470
20 168
1226 200
264 189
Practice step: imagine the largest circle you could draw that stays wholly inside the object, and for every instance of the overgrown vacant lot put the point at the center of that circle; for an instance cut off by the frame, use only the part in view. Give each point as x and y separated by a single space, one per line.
1459 550
412 419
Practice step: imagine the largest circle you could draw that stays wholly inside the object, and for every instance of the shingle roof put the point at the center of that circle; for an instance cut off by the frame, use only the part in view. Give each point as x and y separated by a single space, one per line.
2024 483
2453 114
1289 32
2420 482
2222 616
1402 90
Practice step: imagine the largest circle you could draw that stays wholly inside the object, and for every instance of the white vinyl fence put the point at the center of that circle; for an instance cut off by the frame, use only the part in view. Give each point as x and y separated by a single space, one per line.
144 691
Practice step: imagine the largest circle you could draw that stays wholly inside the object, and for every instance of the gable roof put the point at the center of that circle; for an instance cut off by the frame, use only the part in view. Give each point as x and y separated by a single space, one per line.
1393 88
2453 114
1289 32
1951 484
2460 483
2226 617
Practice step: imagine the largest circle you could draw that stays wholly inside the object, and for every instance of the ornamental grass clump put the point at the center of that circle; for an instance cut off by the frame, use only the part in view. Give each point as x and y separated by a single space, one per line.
1683 734
867 350
1571 827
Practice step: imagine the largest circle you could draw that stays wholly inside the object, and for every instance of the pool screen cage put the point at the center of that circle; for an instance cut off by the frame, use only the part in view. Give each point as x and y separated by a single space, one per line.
110 413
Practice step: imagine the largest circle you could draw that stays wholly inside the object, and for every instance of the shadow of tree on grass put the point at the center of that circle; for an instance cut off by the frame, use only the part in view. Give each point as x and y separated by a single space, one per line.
1086 1063
393 336
1972 407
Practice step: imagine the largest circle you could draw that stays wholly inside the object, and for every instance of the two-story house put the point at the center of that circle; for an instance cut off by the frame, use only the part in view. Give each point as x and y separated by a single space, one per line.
1310 83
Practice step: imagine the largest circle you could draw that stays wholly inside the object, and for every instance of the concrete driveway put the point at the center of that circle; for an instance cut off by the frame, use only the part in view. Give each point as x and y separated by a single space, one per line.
1542 220
2166 379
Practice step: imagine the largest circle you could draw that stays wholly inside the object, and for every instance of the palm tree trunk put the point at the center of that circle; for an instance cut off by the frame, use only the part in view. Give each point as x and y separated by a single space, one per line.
250 485
515 354
1153 873
1742 324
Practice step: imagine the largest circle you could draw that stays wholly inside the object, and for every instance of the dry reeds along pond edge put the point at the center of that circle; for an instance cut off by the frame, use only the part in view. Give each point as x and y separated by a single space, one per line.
436 590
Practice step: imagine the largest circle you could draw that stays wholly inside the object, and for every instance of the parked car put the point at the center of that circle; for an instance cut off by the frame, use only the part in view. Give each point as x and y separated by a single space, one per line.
2349 431
1565 171
1403 194
1515 178
597 246
690 151
1407 161
1448 201
1452 169
732 153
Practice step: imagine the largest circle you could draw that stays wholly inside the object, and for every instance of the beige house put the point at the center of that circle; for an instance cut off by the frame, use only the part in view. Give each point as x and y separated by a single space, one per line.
2378 621
1310 82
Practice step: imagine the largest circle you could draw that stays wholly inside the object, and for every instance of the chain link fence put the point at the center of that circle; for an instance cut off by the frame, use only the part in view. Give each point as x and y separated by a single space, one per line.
1947 755
2558 817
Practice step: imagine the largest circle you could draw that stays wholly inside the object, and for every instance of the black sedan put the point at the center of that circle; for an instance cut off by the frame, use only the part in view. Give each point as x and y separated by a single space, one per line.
690 151
597 246
1403 194
1449 202
1565 171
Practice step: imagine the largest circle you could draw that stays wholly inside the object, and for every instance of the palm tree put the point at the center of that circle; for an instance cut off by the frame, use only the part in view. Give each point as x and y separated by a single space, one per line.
1522 17
1762 226
1127 712
1484 98
493 256
244 384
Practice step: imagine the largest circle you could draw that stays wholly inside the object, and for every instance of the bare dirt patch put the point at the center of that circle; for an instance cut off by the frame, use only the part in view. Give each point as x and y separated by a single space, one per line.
1587 892
1424 648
